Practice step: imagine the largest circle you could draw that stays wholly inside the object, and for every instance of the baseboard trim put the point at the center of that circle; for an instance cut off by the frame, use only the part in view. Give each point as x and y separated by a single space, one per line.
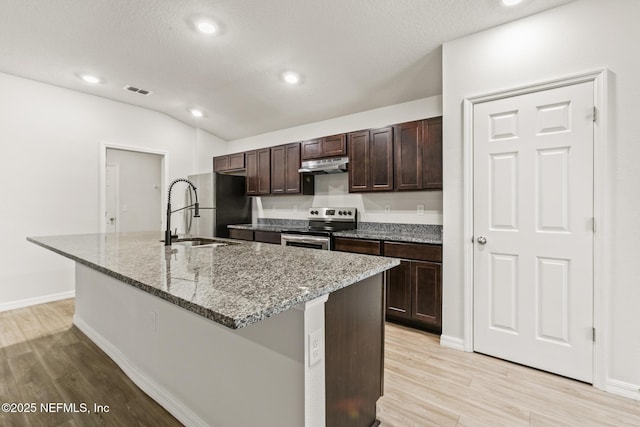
452 342
165 399
28 302
621 388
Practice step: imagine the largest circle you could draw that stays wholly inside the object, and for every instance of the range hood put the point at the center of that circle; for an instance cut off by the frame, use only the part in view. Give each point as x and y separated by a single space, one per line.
332 165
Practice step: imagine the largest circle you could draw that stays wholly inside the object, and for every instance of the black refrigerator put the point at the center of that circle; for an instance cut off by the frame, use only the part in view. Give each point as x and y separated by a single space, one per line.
223 202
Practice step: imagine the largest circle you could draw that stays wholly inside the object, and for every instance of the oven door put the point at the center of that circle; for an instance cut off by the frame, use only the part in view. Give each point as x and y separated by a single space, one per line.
306 241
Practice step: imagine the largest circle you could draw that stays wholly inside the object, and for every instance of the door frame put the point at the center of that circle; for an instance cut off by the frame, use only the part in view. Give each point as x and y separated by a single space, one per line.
102 171
117 207
601 263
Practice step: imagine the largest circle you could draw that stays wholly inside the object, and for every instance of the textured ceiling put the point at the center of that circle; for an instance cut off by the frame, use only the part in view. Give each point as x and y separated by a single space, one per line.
354 55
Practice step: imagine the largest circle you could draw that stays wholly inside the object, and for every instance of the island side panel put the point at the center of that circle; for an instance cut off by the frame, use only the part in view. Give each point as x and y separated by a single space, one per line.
354 328
205 374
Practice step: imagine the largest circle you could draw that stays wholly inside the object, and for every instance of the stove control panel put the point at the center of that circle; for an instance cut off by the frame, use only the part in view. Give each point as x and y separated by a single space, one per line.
333 214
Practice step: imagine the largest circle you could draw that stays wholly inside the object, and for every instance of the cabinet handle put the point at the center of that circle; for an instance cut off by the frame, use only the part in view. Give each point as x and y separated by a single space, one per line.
482 240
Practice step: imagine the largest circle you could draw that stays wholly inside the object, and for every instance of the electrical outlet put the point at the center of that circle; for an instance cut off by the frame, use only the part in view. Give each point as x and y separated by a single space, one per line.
316 346
387 209
420 210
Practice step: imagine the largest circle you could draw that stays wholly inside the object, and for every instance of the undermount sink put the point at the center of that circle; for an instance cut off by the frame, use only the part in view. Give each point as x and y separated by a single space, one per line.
201 242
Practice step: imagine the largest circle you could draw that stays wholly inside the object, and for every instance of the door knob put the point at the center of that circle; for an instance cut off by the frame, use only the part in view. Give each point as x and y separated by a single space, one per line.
482 240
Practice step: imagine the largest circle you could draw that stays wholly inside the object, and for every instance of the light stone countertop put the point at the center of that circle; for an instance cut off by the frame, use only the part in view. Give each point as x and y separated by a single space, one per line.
234 285
393 236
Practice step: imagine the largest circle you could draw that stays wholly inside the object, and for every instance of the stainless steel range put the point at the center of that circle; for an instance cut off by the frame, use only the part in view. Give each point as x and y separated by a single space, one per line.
323 222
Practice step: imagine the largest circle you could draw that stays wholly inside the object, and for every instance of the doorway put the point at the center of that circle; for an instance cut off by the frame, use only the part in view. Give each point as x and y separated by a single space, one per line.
533 192
132 190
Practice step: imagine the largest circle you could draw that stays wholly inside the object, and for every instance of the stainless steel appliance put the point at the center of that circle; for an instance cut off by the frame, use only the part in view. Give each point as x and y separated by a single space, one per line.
222 202
332 165
323 222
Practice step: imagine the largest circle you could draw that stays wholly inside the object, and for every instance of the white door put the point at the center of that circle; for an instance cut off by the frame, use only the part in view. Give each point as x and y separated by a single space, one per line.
112 196
533 229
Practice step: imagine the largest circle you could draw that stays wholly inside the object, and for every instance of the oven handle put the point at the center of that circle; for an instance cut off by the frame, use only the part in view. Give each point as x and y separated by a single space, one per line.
302 239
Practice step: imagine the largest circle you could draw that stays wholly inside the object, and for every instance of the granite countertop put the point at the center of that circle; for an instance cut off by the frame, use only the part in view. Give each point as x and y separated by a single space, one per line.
234 285
266 227
434 238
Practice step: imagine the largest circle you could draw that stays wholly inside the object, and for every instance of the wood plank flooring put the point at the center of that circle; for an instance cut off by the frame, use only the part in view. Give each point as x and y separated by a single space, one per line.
429 385
44 358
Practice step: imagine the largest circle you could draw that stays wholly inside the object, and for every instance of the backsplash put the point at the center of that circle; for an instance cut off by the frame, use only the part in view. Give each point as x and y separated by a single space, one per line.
332 190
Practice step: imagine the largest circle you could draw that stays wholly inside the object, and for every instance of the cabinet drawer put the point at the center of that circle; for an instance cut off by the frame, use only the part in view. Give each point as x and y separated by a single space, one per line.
235 233
417 251
369 247
267 237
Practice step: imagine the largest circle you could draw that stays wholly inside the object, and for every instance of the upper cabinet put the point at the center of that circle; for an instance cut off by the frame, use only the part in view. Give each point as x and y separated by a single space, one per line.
229 162
371 160
258 163
285 178
418 155
403 157
329 146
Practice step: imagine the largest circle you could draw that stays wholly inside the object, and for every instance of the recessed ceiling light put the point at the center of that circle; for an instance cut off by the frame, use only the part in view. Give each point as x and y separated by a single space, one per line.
511 2
291 77
91 79
196 113
207 27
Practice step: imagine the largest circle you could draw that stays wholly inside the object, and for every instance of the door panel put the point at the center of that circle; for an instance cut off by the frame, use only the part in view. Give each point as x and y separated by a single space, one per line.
399 291
533 202
427 300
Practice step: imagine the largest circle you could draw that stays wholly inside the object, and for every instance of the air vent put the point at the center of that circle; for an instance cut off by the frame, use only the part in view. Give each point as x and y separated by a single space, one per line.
137 90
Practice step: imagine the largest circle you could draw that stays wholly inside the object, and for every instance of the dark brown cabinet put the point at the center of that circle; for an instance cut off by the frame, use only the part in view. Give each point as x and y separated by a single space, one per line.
359 246
371 160
240 234
267 237
257 235
285 178
328 146
414 288
258 164
418 155
229 162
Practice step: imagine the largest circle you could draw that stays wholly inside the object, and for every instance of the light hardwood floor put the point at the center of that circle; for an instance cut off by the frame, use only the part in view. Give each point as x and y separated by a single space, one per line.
44 358
429 385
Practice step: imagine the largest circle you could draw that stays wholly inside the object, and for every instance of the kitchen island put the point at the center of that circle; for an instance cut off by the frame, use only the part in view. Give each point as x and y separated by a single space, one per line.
238 334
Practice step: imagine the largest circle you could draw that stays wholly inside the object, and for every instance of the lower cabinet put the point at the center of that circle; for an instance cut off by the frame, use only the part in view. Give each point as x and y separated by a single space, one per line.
414 288
414 293
255 236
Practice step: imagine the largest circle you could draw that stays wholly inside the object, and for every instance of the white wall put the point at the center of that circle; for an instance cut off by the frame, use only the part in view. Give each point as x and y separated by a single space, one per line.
332 190
50 148
582 36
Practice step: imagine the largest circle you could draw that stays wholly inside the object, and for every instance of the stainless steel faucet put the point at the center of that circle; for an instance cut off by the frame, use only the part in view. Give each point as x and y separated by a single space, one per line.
196 208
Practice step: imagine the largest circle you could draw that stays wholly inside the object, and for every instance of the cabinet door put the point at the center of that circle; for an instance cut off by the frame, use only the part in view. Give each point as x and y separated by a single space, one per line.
408 156
399 291
236 161
251 160
264 170
426 287
312 149
220 163
292 164
278 169
432 154
381 159
335 145
359 161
